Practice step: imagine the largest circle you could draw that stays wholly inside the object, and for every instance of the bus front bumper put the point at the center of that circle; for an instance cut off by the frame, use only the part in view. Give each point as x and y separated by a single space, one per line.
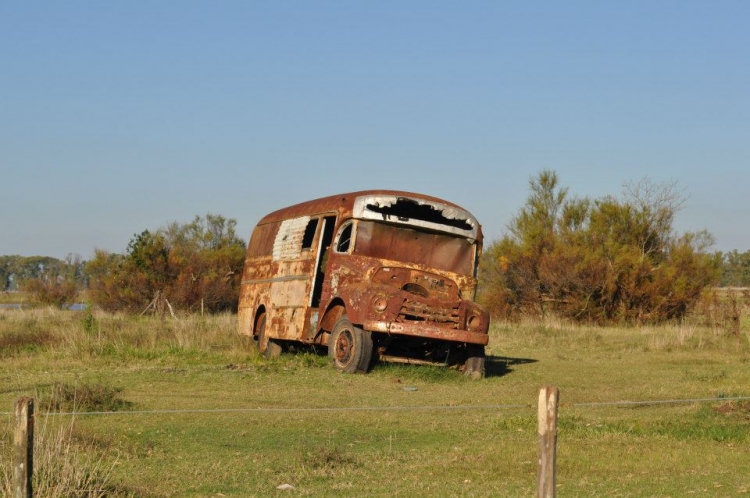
426 330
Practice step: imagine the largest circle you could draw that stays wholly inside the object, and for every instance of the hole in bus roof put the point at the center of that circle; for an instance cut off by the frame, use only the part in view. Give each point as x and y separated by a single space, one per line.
409 209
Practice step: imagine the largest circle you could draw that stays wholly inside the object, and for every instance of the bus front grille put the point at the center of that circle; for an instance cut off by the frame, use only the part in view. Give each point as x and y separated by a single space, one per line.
415 311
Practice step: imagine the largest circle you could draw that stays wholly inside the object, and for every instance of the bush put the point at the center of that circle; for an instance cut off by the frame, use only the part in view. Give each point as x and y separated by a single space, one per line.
603 261
195 266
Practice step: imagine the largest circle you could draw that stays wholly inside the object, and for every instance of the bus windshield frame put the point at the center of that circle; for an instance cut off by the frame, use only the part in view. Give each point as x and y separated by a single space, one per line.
412 245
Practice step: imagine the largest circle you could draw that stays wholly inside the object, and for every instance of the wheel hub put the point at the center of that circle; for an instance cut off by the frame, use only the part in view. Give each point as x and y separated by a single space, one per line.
344 347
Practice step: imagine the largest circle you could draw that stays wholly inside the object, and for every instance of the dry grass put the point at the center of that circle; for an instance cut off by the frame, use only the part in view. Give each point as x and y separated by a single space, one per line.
94 334
13 297
64 465
177 368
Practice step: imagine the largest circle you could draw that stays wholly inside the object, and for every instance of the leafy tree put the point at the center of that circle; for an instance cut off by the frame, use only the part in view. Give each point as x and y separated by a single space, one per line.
110 282
6 272
606 260
735 269
196 265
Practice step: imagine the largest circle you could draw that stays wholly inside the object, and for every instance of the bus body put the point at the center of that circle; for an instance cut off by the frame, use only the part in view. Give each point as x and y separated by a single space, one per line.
372 274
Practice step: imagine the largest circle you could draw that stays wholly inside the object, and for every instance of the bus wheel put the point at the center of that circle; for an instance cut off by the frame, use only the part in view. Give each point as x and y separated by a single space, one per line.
269 348
474 365
350 347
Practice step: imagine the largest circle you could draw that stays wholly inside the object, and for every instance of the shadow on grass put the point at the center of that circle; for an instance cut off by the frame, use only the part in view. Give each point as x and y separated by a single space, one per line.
497 366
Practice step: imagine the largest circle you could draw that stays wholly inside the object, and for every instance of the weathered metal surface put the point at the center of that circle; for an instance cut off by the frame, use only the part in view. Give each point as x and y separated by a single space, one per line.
395 263
428 331
343 204
434 311
431 214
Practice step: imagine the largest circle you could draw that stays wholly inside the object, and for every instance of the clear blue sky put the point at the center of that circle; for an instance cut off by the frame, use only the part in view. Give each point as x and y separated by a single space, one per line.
117 117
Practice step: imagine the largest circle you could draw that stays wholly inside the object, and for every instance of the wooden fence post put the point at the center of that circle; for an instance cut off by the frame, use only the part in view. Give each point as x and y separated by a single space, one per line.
548 398
23 444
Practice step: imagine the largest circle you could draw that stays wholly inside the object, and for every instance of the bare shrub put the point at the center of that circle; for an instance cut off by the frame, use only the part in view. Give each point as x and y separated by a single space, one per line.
28 331
85 398
721 310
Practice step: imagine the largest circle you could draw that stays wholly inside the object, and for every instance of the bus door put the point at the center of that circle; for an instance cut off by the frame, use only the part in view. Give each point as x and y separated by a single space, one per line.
321 262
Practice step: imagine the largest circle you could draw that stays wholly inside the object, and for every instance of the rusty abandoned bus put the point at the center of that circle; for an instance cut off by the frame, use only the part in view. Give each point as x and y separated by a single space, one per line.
376 274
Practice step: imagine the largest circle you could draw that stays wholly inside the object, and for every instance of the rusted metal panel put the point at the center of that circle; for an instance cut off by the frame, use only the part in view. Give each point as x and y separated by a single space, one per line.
431 214
428 331
379 297
344 205
402 264
290 282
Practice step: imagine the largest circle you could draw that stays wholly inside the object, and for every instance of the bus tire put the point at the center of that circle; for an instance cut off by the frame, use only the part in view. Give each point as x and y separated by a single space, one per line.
474 364
269 348
350 347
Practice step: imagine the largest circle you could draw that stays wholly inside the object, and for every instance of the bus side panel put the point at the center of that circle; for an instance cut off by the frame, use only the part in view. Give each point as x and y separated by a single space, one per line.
289 296
280 279
255 286
254 293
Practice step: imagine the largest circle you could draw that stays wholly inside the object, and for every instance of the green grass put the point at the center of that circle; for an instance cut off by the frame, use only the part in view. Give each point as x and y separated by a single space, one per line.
397 431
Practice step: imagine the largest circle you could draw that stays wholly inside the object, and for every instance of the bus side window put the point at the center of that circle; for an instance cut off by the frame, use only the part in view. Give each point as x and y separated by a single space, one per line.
309 235
345 238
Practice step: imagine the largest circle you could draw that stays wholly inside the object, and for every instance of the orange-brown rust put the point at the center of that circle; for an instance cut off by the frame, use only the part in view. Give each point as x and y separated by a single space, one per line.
394 263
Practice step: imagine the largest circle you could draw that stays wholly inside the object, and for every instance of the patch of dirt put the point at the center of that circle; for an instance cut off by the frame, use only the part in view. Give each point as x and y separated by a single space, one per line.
741 408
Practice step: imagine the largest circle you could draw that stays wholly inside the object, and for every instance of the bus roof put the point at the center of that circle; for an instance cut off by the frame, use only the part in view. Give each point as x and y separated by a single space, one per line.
389 205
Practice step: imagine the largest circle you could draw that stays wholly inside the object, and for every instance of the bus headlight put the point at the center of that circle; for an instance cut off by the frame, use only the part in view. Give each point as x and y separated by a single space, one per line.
474 323
379 304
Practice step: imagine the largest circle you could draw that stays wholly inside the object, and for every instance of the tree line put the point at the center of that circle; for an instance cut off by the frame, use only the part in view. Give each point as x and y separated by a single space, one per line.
49 280
194 266
605 260
735 269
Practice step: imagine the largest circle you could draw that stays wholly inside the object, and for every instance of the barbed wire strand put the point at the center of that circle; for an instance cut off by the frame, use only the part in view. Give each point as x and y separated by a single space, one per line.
593 404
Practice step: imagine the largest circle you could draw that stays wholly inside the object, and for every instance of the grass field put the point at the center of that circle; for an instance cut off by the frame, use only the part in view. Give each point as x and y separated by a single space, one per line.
193 411
13 297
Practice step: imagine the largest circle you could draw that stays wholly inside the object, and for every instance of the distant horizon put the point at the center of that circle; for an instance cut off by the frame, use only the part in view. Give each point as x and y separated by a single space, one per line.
487 240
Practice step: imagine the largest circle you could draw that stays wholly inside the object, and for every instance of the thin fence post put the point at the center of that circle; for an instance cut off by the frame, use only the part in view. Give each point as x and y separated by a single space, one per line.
547 434
23 444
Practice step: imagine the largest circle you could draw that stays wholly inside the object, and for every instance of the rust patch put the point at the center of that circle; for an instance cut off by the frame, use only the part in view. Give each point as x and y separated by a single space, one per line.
395 263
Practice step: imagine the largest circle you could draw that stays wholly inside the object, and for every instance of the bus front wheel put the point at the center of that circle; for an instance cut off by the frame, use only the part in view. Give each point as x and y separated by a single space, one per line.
350 347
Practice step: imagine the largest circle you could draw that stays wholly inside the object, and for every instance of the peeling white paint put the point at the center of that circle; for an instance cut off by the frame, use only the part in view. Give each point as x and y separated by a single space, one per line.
288 242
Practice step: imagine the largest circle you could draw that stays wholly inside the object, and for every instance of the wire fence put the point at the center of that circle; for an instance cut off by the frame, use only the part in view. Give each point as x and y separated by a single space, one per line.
260 411
453 450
